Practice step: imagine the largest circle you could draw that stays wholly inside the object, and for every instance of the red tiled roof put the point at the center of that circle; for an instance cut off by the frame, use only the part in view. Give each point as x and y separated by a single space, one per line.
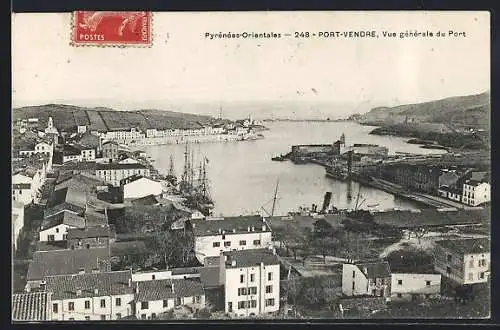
162 289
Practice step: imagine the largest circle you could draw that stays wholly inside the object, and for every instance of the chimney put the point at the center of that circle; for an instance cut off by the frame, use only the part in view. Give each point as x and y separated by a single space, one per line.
248 228
233 263
78 292
220 231
43 285
222 269
137 288
234 230
253 228
193 225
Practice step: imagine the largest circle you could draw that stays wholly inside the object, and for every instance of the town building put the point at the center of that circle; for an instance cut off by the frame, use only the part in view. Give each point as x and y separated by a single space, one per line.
464 261
110 150
123 136
89 237
21 189
50 128
32 306
411 286
36 149
476 192
216 235
113 173
137 186
17 222
421 178
66 262
251 281
157 296
128 160
366 279
55 227
94 296
81 129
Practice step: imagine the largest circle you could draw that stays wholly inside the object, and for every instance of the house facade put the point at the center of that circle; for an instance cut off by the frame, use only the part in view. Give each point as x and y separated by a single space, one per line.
371 279
110 150
414 286
113 173
464 261
98 296
251 282
21 189
55 227
229 234
476 193
154 297
88 237
138 187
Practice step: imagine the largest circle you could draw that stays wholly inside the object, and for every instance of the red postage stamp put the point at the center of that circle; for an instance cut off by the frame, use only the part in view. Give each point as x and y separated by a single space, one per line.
112 28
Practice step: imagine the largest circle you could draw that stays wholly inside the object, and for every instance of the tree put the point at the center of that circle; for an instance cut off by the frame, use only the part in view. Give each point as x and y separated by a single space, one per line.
325 246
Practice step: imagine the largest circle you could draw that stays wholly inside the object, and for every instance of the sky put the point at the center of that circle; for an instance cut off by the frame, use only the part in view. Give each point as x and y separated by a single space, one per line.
183 69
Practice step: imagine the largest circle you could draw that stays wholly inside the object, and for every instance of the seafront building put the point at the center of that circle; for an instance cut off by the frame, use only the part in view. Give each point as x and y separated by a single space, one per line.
216 235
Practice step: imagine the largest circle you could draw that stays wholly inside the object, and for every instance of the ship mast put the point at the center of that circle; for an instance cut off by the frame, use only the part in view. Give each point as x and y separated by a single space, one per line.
171 171
274 198
185 173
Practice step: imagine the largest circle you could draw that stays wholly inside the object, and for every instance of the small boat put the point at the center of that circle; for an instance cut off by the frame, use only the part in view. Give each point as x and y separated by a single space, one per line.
373 205
279 158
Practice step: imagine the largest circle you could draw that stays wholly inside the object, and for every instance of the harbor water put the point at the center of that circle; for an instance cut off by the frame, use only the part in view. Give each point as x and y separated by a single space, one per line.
242 177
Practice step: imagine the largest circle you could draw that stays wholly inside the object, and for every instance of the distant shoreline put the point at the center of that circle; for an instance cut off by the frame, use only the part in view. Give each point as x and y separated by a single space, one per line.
310 120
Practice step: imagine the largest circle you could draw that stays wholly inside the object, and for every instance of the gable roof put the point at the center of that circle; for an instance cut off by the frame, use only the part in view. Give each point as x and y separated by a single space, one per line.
69 150
118 166
133 178
33 306
251 258
107 284
65 217
47 263
162 289
88 232
240 224
466 246
146 200
375 269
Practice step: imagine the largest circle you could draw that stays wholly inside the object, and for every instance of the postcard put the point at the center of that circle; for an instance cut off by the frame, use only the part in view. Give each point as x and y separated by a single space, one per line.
250 165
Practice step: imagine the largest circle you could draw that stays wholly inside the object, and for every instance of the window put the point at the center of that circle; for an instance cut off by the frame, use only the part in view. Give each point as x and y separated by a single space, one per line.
153 277
256 242
153 316
269 276
353 274
178 301
482 262
400 282
269 289
226 244
241 304
71 306
242 291
103 317
55 308
252 290
87 246
242 278
481 275
427 283
194 300
471 264
118 316
198 299
353 286
87 318
223 237
399 295
448 270
216 244
57 230
50 238
118 301
65 237
165 303
448 257
243 243
143 316
252 277
270 302
253 303
103 303
87 304
471 276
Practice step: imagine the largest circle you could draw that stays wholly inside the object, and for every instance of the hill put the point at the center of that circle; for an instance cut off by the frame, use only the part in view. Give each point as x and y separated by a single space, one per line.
470 110
67 117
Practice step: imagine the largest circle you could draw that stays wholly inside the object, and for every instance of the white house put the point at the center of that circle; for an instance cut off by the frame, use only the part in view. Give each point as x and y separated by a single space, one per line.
476 193
414 286
216 235
97 296
251 282
113 173
138 186
128 161
17 221
372 278
21 188
157 296
55 227
465 261
39 148
81 129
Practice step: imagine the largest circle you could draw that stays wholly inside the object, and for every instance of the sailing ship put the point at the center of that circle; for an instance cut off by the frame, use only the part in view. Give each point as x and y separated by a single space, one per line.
194 188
